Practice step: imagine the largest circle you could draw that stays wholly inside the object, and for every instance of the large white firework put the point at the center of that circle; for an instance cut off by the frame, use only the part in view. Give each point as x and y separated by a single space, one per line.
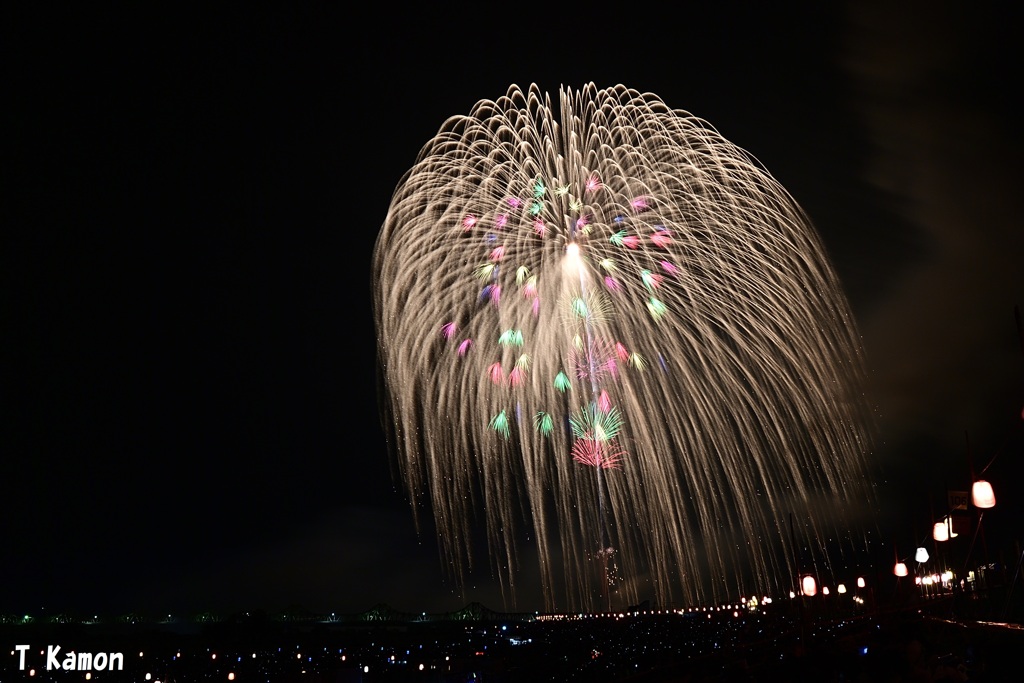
613 337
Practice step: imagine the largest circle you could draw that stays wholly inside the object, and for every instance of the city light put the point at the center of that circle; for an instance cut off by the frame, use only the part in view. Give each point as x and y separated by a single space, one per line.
982 495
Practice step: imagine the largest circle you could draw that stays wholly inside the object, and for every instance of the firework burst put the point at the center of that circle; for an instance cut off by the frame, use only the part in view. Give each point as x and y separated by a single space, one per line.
608 327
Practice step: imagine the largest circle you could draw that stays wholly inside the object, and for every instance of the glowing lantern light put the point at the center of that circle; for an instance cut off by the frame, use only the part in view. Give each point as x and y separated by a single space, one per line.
900 569
982 495
940 532
860 582
809 586
922 555
841 588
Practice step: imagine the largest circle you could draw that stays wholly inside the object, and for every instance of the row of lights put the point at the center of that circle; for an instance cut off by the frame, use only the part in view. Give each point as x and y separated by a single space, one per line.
982 496
809 587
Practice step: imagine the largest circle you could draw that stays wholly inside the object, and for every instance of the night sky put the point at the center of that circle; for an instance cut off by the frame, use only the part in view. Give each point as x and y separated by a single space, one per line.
190 204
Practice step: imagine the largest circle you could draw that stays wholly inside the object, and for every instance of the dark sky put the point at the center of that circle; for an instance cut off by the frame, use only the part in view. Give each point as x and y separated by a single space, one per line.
190 204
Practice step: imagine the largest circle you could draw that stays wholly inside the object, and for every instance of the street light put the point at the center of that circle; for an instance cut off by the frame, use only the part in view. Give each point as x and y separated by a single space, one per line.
982 494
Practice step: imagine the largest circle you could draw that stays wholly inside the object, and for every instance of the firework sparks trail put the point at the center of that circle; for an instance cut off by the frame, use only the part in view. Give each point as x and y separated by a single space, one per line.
614 330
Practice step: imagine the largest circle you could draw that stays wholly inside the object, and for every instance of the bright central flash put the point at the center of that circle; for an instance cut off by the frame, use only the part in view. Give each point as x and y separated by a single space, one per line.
572 252
573 264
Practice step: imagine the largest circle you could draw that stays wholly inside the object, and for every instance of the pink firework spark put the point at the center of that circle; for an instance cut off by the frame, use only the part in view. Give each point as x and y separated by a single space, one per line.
662 238
593 363
516 377
603 454
496 374
494 293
